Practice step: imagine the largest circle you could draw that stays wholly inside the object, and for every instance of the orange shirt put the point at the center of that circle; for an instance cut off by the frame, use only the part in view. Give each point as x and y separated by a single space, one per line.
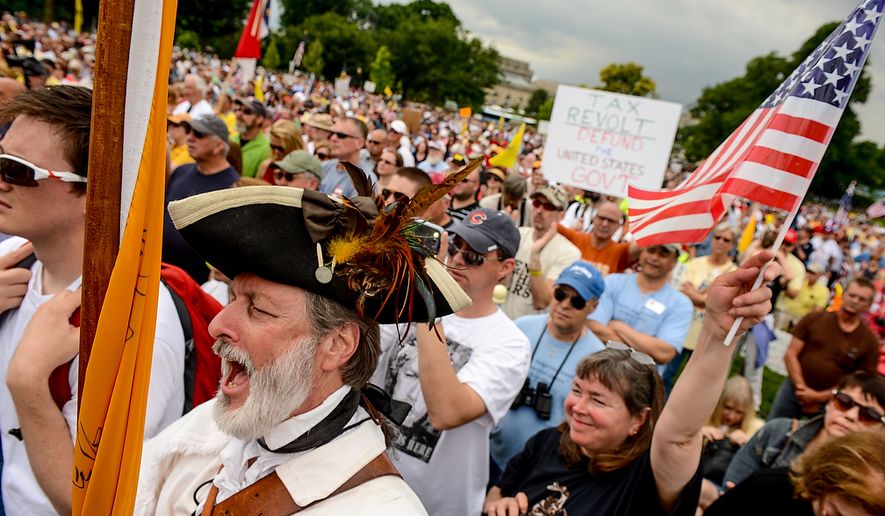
611 258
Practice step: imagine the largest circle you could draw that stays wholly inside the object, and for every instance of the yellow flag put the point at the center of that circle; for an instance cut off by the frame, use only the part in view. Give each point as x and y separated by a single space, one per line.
507 158
388 92
78 16
748 234
110 427
259 88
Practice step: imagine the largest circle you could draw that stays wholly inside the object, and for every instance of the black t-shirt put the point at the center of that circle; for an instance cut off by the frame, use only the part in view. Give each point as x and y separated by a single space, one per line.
185 182
630 490
767 491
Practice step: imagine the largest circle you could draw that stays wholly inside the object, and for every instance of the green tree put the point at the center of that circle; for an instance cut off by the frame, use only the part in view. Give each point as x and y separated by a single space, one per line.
546 109
271 59
627 78
721 109
187 39
220 32
345 45
296 12
381 71
537 100
312 62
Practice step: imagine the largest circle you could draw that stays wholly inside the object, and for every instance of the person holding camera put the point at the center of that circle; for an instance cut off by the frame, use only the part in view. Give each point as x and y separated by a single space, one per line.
560 339
620 451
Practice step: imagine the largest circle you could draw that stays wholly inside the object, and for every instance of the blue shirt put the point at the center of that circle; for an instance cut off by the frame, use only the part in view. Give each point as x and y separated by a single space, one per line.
515 429
337 182
665 313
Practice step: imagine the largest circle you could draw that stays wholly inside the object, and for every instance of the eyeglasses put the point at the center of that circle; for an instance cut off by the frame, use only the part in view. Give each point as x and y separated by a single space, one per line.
547 205
866 415
578 302
722 239
278 148
600 218
279 175
21 172
638 356
470 256
397 196
197 134
374 142
243 109
341 136
322 155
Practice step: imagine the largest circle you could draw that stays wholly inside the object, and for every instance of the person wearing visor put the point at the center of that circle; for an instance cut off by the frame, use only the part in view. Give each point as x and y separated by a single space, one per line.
299 169
461 385
644 310
207 142
559 339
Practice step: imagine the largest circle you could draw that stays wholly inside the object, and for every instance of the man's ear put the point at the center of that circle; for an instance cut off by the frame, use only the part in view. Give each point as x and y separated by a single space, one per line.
506 268
336 348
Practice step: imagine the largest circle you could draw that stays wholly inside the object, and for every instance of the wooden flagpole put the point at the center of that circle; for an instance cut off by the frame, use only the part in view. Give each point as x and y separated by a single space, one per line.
102 232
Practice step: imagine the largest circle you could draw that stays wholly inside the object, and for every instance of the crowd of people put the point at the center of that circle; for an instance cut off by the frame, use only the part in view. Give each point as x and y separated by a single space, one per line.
551 364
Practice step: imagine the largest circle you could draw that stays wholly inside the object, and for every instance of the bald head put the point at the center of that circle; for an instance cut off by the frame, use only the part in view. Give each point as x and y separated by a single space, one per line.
9 88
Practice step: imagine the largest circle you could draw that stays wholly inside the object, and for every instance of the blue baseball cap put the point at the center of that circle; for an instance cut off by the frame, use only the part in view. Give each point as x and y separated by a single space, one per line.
584 278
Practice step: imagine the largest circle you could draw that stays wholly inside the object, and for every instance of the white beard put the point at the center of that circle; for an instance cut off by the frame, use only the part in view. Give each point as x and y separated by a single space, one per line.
275 391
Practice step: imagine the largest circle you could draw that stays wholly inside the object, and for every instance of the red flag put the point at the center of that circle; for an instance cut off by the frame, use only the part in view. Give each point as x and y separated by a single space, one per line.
254 31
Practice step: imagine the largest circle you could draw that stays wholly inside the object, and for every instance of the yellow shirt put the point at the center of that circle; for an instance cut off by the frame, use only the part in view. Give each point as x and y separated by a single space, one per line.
179 156
811 297
701 272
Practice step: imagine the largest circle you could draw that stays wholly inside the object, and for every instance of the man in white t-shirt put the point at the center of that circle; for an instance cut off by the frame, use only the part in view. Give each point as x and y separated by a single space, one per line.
50 131
543 254
461 386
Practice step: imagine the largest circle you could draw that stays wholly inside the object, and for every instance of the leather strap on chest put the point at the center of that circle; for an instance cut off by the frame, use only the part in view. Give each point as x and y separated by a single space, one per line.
269 497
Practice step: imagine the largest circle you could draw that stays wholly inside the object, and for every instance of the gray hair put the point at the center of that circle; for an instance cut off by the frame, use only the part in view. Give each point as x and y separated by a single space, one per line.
327 315
725 226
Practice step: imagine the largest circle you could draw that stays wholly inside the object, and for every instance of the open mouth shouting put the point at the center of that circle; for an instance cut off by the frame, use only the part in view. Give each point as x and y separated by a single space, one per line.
236 370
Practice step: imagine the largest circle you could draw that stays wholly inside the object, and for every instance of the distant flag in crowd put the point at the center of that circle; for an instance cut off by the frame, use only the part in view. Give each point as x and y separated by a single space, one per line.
259 88
508 157
749 233
110 426
78 16
841 217
772 157
877 209
296 59
388 92
249 48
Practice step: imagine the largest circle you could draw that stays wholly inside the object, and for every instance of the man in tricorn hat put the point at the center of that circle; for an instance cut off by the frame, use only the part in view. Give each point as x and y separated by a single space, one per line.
292 425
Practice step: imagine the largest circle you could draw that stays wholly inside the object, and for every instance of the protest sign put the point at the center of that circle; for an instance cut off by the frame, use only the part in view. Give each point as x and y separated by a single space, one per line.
602 141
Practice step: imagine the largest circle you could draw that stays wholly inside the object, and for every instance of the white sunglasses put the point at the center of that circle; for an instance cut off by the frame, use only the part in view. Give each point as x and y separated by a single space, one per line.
21 172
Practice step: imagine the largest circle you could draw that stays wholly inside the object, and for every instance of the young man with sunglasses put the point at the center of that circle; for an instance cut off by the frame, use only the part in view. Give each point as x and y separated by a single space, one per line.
43 166
542 256
299 169
644 310
404 184
254 143
559 340
825 347
207 142
461 376
348 138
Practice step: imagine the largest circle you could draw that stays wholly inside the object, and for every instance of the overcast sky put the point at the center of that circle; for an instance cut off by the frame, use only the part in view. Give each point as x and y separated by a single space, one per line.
684 45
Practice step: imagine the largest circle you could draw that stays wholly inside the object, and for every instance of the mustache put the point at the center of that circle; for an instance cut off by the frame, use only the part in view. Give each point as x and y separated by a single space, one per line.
230 353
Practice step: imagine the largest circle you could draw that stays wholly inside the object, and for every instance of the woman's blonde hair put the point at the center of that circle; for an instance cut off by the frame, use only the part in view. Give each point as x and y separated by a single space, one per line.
738 392
851 467
289 134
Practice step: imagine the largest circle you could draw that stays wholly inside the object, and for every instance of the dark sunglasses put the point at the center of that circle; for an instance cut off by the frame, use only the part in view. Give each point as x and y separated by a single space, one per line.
397 196
374 142
547 205
197 134
471 257
279 175
866 415
342 136
722 239
322 155
21 172
391 163
244 110
278 148
578 302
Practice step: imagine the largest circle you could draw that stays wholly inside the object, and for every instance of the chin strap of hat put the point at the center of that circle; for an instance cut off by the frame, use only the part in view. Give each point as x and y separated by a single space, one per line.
335 423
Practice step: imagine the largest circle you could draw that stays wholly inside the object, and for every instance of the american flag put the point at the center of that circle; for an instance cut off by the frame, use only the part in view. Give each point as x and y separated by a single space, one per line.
772 157
877 209
841 217
299 54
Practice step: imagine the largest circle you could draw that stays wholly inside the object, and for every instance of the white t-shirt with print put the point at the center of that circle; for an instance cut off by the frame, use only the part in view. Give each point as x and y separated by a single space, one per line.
449 469
21 492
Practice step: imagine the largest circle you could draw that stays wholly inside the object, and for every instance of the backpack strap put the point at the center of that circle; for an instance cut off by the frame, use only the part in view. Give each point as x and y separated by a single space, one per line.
270 497
190 356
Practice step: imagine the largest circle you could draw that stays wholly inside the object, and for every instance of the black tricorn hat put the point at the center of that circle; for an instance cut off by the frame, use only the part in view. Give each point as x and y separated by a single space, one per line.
344 250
